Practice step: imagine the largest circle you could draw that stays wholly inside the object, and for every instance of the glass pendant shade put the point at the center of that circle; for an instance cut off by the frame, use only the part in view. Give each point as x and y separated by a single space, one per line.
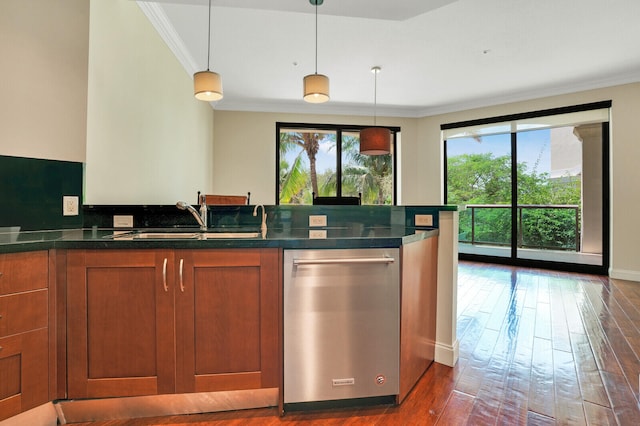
375 141
207 86
316 88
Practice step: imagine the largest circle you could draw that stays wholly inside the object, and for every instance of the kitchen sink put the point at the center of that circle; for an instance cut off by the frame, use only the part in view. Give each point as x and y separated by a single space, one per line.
166 235
212 235
155 235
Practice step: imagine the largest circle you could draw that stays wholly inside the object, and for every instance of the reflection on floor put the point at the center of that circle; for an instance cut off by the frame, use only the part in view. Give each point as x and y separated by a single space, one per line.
549 255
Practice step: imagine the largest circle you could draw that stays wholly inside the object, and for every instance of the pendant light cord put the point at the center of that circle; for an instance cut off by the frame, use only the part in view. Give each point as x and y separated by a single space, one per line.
316 37
375 97
209 38
375 70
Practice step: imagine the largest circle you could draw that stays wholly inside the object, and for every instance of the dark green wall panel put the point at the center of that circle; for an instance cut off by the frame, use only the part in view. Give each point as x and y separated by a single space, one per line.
31 192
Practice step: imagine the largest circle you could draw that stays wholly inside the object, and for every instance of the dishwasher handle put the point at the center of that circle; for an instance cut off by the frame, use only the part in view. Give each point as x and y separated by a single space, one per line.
347 261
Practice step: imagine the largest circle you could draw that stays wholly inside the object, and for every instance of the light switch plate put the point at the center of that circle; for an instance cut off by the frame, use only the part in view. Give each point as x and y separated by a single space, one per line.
122 221
424 220
70 205
318 220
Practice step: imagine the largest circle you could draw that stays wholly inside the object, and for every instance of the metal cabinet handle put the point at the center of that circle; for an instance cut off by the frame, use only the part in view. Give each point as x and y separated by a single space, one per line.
164 275
181 281
338 261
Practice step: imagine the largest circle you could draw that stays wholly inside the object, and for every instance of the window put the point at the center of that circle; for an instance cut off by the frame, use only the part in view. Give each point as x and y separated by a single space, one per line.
532 187
325 160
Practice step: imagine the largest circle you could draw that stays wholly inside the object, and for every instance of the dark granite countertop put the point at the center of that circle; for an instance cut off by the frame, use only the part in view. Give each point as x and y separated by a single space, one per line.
295 238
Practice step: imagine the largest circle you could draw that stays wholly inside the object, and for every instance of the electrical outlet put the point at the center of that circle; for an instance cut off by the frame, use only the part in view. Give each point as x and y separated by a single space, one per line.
424 220
317 234
70 205
122 221
318 220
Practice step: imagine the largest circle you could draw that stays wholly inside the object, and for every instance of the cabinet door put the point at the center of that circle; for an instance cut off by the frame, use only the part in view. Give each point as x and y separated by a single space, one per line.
24 367
227 310
24 333
120 323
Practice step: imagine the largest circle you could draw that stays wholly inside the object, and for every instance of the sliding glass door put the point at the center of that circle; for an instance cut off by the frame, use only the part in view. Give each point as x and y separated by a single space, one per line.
479 179
532 189
560 210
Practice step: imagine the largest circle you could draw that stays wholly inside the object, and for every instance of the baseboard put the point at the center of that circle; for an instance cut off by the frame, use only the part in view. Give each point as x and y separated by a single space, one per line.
44 415
78 411
622 274
447 354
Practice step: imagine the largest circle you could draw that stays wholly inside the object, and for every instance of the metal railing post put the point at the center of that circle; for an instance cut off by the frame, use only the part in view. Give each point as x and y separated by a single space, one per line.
473 225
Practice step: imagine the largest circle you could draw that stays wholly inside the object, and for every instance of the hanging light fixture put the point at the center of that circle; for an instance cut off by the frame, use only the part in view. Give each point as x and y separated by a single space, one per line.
375 140
316 86
207 85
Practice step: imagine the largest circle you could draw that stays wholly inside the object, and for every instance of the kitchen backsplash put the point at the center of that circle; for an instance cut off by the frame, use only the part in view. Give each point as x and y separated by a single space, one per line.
32 191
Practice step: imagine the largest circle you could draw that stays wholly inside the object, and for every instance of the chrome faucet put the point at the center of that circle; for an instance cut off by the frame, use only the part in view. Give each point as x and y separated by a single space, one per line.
203 212
200 217
263 225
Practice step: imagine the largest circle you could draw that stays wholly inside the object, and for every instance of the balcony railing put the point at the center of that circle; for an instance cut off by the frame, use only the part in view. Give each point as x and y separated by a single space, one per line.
548 227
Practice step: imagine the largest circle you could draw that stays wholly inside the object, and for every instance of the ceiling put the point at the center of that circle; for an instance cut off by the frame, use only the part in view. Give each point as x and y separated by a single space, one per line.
436 55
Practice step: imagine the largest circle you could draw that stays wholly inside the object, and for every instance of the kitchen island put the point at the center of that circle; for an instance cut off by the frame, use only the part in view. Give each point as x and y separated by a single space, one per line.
122 342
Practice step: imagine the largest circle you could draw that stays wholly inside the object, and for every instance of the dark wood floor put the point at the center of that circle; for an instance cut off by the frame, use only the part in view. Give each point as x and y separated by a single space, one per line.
536 348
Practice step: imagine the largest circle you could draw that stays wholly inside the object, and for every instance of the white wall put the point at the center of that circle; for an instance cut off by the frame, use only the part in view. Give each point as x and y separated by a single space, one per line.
149 141
43 78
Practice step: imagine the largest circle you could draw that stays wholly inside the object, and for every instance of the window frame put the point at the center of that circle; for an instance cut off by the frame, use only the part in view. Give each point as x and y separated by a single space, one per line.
513 259
339 129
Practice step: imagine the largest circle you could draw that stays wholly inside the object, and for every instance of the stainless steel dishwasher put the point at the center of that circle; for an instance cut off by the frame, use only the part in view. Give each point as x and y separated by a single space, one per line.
341 325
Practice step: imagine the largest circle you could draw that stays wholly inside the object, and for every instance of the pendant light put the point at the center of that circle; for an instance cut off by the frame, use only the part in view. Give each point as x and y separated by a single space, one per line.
316 86
207 85
375 140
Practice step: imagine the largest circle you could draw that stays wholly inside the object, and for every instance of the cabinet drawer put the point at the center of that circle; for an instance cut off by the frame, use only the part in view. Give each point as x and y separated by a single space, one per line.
23 312
24 372
23 271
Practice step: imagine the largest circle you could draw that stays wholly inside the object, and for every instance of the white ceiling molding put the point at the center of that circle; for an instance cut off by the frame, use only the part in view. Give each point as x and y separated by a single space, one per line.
618 80
155 14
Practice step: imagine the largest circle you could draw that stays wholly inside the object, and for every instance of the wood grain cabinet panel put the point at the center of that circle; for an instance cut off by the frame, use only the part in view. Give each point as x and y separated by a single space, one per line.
418 311
23 312
24 333
23 271
120 323
227 320
145 322
24 372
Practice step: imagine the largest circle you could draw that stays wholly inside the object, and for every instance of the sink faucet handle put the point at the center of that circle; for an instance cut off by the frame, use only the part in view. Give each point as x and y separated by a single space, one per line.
203 212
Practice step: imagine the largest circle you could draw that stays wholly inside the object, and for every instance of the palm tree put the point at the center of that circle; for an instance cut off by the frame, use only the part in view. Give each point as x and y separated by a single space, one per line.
291 181
371 175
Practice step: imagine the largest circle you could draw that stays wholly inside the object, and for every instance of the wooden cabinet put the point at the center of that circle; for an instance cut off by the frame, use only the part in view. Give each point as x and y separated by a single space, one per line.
120 329
418 307
227 319
24 338
145 322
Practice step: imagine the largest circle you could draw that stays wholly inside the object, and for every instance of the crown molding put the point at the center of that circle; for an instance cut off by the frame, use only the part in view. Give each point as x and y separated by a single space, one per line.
301 107
160 21
617 80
